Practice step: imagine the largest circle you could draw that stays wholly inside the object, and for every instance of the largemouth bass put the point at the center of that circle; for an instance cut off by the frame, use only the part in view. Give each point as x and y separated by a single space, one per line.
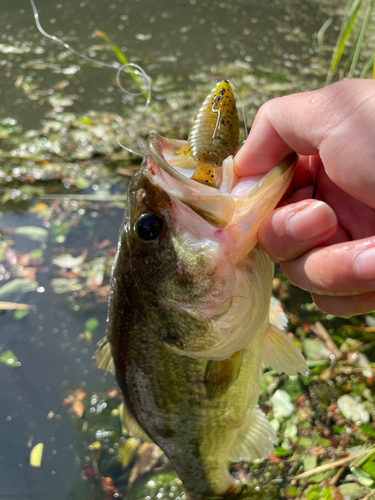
188 323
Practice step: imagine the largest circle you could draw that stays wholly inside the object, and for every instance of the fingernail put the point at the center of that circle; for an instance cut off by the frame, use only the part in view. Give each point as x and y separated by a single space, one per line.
315 220
364 264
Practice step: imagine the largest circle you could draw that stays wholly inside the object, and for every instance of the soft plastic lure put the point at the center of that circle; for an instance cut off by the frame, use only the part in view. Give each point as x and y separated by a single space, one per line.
214 134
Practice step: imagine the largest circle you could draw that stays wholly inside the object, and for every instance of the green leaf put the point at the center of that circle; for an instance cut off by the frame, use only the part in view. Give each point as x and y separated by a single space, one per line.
21 313
34 233
36 254
304 441
367 429
280 452
282 404
369 468
310 462
362 477
91 324
352 409
293 491
313 493
9 359
36 455
352 491
322 441
318 478
339 429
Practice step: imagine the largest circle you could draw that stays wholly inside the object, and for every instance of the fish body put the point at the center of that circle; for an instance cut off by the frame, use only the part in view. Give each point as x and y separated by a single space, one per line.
188 324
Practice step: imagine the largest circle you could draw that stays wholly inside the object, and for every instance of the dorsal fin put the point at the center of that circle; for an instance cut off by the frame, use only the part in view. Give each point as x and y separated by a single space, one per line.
104 356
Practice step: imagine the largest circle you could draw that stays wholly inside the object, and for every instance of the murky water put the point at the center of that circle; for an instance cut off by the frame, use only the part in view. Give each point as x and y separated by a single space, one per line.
173 40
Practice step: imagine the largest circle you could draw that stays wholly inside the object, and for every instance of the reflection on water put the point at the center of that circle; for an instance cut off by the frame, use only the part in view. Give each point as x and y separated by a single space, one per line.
53 353
173 41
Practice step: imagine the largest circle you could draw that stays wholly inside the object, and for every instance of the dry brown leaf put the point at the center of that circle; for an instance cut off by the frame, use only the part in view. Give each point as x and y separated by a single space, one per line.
146 457
78 408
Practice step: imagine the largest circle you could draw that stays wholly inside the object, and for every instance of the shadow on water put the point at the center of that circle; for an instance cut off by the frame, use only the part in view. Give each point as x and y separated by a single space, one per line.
178 43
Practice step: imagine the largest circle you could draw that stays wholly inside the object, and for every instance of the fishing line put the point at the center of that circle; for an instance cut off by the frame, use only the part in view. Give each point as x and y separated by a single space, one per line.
128 68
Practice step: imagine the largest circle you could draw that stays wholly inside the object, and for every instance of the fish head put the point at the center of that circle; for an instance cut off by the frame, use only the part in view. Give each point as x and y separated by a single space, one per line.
189 252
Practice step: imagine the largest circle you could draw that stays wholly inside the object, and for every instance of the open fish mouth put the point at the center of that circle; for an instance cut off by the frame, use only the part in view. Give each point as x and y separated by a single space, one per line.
234 201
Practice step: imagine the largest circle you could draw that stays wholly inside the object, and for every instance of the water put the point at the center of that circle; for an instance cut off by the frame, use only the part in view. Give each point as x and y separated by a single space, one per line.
173 41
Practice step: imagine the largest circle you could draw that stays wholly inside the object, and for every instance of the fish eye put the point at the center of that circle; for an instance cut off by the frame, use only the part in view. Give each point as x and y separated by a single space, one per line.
148 226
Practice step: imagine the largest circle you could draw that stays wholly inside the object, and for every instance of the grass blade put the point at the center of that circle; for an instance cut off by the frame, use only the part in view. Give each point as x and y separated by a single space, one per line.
345 32
122 58
360 38
321 32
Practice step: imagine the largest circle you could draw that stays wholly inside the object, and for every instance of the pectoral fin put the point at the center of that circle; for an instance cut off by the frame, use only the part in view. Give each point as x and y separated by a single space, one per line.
281 354
220 375
104 356
254 440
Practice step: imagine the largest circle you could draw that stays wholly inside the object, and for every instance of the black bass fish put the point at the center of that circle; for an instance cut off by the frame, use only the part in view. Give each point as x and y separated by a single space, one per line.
188 324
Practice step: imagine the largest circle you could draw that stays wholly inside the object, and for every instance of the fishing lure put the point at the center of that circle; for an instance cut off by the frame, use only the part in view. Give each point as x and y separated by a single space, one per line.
214 134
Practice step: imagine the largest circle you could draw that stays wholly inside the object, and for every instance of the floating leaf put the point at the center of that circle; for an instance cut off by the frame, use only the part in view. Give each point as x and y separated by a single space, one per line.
64 285
282 404
36 254
68 261
39 207
36 455
34 233
17 286
353 409
9 359
91 324
21 313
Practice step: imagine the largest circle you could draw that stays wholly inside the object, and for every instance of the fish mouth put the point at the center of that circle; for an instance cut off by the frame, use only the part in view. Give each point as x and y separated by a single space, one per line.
232 200
215 207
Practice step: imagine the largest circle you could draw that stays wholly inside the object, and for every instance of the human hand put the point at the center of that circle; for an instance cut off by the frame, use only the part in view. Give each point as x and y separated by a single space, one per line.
326 247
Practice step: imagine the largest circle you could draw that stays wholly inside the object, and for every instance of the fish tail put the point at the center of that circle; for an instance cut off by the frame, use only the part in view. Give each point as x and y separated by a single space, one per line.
206 174
184 151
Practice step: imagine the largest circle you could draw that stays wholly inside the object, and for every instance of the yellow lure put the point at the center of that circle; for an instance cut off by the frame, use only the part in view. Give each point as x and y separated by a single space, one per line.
214 134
